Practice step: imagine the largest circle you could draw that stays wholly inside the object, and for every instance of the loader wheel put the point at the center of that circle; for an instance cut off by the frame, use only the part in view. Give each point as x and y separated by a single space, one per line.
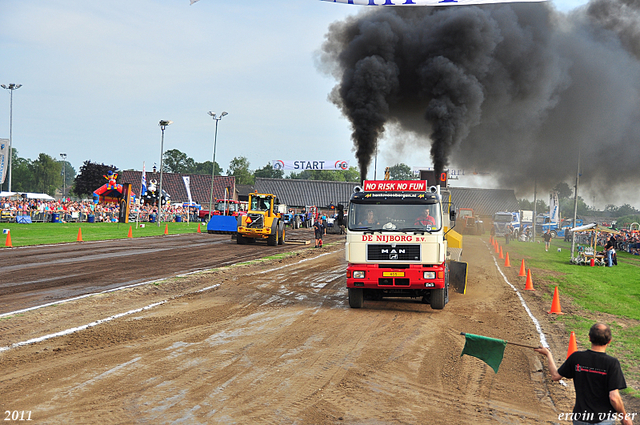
356 297
241 240
272 240
281 237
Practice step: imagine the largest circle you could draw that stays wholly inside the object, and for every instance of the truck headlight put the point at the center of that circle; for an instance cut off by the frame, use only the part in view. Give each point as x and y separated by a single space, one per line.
358 274
429 275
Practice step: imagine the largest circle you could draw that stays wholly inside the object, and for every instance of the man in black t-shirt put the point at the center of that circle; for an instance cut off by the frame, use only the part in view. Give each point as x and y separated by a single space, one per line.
597 377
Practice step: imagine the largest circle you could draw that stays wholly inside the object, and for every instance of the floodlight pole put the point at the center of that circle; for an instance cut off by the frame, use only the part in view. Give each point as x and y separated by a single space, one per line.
213 160
11 87
163 124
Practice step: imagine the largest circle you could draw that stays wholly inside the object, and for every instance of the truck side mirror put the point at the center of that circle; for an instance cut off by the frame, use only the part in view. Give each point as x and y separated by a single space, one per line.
452 215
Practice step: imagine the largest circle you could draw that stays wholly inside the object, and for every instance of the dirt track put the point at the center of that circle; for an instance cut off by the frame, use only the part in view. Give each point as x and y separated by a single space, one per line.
275 342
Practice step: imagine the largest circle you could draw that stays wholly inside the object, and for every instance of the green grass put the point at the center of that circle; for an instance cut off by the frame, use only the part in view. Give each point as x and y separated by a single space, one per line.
614 291
52 233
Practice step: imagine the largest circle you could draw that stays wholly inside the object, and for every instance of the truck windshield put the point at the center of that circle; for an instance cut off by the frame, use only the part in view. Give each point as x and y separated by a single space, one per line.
394 217
502 218
222 206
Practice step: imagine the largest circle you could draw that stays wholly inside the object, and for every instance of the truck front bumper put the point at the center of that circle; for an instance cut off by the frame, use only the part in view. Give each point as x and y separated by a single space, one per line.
382 276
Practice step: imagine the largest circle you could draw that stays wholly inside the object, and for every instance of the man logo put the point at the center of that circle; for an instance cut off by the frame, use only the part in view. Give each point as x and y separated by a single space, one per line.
393 257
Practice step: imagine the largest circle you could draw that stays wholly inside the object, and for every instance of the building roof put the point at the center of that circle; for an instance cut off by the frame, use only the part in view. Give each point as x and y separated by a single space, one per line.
484 201
174 185
301 193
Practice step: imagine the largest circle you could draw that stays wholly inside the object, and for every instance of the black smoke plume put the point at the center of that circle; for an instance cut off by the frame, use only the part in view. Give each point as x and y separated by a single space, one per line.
516 90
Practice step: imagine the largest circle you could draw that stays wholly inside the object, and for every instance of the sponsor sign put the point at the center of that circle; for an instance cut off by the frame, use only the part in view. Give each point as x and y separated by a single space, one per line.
4 158
423 2
279 164
395 186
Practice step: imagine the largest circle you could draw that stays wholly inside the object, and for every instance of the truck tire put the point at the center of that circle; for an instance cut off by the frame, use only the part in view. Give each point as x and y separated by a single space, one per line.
440 297
356 297
241 240
553 233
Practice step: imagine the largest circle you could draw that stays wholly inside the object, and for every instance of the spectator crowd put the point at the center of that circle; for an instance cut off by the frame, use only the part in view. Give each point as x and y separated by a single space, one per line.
67 210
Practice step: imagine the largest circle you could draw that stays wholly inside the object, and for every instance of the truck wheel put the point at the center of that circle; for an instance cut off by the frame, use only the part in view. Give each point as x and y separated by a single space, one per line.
553 233
437 299
241 240
356 297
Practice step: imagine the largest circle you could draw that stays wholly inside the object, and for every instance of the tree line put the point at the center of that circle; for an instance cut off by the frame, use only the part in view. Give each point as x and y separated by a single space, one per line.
45 174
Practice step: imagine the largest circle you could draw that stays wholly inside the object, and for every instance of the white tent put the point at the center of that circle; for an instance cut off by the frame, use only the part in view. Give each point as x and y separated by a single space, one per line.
30 195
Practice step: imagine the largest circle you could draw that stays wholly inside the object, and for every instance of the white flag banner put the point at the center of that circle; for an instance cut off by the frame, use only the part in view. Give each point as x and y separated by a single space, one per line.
426 2
554 213
187 185
4 159
279 164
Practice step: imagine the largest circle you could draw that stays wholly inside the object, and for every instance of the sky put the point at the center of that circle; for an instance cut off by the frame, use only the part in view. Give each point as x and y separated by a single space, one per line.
98 76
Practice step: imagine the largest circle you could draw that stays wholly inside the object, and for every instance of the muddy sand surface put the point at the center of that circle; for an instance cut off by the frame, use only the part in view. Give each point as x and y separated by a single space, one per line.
274 341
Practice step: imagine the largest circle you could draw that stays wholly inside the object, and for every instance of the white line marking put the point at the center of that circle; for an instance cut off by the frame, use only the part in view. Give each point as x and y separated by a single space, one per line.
80 328
543 338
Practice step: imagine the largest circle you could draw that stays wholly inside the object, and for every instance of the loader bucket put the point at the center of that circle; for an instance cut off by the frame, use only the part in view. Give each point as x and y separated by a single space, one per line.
458 276
222 224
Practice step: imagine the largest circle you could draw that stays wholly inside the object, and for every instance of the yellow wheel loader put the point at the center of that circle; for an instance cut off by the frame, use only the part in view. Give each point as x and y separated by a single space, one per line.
264 220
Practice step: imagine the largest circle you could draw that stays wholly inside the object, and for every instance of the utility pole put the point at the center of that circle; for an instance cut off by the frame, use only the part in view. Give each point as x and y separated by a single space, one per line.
575 207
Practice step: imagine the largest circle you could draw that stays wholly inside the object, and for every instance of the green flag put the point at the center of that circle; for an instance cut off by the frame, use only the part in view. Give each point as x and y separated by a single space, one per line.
489 350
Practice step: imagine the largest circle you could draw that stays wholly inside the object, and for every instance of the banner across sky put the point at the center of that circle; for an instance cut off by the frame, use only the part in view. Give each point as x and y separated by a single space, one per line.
426 2
279 164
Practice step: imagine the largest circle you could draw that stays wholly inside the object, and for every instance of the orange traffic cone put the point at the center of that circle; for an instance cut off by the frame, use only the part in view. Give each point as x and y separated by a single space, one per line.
79 238
130 235
497 248
506 261
555 304
528 286
573 346
501 254
7 243
166 229
199 228
522 269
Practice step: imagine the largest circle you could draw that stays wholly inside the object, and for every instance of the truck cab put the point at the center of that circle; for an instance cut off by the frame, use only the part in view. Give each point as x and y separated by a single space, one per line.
502 219
396 244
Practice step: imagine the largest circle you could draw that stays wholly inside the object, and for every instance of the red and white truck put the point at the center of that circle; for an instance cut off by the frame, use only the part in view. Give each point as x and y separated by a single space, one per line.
395 249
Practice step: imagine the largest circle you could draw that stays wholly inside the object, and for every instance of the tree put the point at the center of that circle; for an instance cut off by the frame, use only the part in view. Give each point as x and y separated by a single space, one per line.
176 161
22 178
401 172
626 209
563 189
91 177
350 175
239 168
47 173
205 168
269 172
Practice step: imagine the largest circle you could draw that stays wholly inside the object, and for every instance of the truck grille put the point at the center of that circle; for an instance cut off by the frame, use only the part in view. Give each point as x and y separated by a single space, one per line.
257 221
393 253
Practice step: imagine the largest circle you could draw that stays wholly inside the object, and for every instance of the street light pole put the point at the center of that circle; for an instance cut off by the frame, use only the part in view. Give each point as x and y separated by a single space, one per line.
64 174
213 166
11 87
163 124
